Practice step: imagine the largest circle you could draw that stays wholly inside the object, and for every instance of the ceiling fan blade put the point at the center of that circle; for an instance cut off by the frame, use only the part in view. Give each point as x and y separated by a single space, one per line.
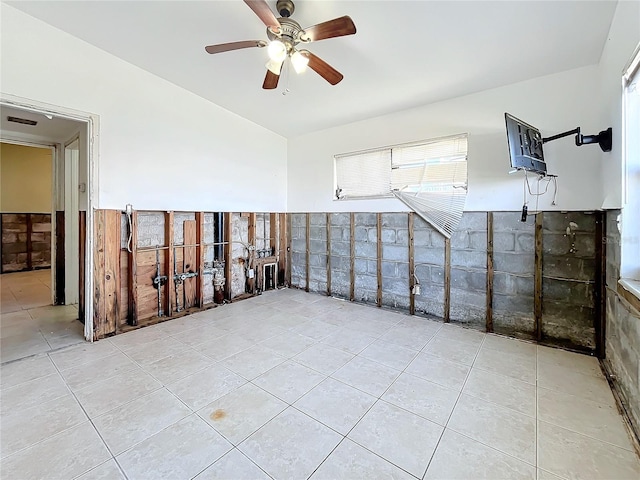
225 47
323 69
338 27
262 10
270 80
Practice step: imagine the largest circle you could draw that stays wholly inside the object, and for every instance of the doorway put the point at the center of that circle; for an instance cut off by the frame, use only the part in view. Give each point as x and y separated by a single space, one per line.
69 136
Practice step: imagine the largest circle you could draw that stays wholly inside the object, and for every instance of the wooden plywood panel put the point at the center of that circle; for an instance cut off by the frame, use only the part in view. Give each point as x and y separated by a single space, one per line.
147 293
112 270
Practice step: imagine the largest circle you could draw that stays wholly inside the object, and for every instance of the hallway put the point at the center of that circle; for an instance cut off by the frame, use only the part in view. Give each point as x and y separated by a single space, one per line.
29 324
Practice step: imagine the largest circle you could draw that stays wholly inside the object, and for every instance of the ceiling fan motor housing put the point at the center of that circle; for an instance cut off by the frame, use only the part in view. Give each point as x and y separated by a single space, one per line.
285 8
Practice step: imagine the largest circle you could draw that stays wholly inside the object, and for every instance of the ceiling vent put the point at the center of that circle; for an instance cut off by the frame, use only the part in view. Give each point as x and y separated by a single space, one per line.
23 121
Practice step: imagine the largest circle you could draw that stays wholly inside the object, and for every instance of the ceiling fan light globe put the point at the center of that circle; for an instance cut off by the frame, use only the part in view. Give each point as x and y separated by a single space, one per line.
274 67
299 62
277 51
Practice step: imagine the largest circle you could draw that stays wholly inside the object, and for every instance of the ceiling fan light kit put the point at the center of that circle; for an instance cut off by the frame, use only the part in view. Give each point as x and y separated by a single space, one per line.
284 35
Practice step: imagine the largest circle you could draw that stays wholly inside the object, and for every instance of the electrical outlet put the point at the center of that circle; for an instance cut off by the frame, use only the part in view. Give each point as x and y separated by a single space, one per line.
128 209
251 273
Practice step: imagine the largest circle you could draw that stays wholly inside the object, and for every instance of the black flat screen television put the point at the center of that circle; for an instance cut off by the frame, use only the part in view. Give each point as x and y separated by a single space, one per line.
525 146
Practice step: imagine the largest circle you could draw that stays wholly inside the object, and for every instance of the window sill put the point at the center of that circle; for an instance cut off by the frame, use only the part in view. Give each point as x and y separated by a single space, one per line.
630 291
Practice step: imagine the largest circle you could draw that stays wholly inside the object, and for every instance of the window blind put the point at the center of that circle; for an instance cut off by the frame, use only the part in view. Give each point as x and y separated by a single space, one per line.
363 174
429 177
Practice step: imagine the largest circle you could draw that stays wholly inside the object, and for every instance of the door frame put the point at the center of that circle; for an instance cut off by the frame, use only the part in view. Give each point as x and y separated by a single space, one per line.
92 123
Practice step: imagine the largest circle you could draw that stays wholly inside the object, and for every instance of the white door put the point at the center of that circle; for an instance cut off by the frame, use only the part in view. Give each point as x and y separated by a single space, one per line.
71 222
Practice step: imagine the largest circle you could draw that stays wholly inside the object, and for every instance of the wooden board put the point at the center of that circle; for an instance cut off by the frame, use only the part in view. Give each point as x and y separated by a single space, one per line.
132 273
190 263
147 294
600 289
328 223
59 266
282 249
307 237
537 287
200 255
251 282
98 274
489 314
169 262
379 259
447 280
82 230
352 256
228 236
123 316
412 297
106 272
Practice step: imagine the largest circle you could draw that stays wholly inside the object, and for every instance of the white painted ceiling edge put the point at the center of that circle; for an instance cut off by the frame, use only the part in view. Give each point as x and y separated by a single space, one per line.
404 54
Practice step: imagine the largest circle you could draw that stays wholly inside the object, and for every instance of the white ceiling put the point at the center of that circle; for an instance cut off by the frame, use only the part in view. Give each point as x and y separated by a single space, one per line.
53 129
404 54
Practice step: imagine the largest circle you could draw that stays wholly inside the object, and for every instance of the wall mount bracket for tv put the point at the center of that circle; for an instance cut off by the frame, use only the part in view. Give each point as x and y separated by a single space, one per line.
604 138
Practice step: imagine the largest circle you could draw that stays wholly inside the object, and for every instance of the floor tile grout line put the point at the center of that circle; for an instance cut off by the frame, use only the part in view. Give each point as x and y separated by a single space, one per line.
454 405
599 440
92 424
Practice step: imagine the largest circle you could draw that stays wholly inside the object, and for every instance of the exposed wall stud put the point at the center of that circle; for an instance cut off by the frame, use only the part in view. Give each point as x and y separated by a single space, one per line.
252 242
537 288
228 233
190 263
288 269
132 272
412 266
489 324
379 258
169 263
282 249
352 256
600 287
29 242
447 280
60 275
199 267
82 231
328 222
307 250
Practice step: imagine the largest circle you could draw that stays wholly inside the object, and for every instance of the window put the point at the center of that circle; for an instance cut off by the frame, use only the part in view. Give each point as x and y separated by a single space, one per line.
630 262
430 177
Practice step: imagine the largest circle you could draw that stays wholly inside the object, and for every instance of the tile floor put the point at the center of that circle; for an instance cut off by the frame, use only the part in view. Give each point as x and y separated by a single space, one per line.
30 325
291 385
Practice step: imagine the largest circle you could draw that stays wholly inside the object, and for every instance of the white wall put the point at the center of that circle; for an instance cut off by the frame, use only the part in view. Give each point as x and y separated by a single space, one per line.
161 147
554 104
624 36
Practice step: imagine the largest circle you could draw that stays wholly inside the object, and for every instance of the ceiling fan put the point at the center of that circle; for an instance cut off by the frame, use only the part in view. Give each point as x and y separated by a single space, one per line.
285 35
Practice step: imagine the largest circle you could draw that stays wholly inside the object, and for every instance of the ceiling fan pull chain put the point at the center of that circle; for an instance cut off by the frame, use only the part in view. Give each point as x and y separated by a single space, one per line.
285 67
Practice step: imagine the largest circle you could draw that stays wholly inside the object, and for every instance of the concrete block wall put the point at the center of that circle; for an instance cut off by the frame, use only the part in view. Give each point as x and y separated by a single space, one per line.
429 268
366 255
395 260
623 329
299 250
318 252
178 225
568 282
568 273
469 270
340 255
514 265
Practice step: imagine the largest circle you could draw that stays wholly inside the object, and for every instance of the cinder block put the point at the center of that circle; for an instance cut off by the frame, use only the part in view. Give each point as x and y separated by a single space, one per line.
525 242
472 221
559 221
460 240
402 237
340 248
572 293
513 303
468 258
318 233
298 245
434 256
318 274
504 242
318 260
298 219
437 275
423 272
422 238
389 270
366 250
510 221
468 298
341 219
318 246
366 282
318 219
396 286
361 234
568 267
513 262
372 267
372 235
395 252
337 234
395 220
360 266
468 280
366 219
388 235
